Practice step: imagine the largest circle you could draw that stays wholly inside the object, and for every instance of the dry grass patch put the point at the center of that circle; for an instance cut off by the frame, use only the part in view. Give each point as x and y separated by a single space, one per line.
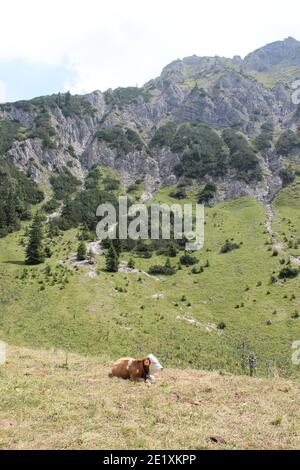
46 404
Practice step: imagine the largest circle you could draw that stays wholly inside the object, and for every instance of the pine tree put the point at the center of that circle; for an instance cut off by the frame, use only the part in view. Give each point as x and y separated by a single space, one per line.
67 98
81 251
11 204
47 252
112 260
34 249
131 264
118 245
84 233
172 250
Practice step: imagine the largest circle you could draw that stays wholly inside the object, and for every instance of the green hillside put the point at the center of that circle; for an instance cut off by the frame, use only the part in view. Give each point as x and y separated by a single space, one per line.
287 219
216 319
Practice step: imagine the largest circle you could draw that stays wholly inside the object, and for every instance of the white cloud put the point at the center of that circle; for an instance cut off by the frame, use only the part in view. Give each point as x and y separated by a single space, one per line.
2 92
120 43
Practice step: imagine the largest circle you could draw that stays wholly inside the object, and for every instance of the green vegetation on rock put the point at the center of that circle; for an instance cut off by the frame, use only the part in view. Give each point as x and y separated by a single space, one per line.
8 133
287 142
263 141
204 152
207 193
44 129
123 140
17 193
164 135
64 184
123 96
70 105
287 176
242 156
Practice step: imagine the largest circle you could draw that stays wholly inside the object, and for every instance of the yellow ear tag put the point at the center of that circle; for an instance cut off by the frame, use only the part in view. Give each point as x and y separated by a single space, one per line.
146 362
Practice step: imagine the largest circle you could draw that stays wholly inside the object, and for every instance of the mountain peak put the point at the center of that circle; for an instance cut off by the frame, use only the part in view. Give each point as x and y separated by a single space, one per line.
291 40
262 59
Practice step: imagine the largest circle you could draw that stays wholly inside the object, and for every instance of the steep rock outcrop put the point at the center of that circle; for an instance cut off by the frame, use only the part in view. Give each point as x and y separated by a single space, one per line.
60 131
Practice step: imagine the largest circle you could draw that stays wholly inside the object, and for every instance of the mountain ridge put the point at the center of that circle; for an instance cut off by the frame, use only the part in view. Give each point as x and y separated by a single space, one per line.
62 132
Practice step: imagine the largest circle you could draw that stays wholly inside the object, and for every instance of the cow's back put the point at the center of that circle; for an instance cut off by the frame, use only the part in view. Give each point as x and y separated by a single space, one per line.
120 367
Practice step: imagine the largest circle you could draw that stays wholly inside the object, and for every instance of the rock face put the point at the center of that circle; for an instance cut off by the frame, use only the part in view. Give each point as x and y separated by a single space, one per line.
220 92
287 51
234 100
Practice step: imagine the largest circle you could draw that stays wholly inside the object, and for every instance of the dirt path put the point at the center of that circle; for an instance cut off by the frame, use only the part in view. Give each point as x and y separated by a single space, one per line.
204 326
145 197
55 215
276 244
94 249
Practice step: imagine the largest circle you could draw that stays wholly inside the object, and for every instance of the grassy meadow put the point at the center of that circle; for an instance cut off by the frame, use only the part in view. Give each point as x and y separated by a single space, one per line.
50 401
64 306
287 217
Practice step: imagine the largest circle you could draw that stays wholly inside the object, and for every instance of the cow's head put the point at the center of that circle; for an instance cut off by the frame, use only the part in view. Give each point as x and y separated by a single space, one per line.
155 365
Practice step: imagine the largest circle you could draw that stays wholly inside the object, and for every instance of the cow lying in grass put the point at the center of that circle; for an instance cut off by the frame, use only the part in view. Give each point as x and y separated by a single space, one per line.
136 369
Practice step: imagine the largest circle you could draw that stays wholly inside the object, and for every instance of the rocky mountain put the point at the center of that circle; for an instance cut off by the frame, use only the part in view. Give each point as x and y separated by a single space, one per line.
172 130
280 52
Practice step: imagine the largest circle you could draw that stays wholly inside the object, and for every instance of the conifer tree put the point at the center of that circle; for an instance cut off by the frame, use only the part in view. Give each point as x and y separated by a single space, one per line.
131 264
11 204
84 233
118 245
81 251
34 249
112 259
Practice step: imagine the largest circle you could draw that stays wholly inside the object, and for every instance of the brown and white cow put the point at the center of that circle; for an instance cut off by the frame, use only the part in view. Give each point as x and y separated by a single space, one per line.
136 369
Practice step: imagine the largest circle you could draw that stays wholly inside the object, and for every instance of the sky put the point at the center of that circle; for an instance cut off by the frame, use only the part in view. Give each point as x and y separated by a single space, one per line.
58 45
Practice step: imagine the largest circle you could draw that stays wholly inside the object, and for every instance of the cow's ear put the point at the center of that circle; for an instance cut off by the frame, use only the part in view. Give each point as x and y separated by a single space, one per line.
146 362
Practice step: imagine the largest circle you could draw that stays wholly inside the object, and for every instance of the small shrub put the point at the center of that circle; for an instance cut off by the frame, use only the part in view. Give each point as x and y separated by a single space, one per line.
165 269
287 176
229 246
179 194
288 272
188 260
197 270
277 421
207 194
81 251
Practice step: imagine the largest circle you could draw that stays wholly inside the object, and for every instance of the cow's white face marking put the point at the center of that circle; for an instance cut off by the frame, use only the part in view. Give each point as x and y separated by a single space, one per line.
155 365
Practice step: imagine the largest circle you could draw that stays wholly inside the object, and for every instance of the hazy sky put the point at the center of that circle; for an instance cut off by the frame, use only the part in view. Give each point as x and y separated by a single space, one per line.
50 46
